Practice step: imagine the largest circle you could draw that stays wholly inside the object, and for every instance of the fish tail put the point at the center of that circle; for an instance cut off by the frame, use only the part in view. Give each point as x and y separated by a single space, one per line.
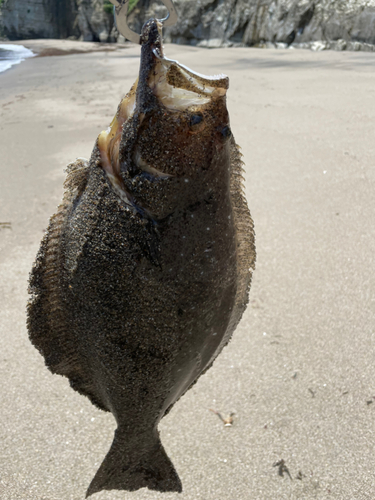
137 463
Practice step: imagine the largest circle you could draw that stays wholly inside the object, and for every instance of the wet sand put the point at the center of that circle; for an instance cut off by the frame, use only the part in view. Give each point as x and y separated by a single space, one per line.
299 371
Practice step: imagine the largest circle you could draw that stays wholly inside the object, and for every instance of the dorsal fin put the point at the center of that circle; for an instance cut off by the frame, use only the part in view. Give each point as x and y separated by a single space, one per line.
48 329
245 241
76 178
244 229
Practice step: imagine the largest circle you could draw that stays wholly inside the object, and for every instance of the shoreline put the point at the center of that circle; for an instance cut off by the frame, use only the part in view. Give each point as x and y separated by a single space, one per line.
12 54
61 47
54 47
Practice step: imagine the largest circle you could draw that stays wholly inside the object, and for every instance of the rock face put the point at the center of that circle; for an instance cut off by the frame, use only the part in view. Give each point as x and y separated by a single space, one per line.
85 19
94 23
39 18
210 23
230 22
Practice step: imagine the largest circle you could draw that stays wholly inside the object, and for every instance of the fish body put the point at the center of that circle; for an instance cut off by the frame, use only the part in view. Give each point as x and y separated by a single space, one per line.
144 271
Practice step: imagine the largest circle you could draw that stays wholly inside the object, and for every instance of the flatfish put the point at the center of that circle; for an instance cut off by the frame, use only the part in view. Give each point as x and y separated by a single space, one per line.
144 271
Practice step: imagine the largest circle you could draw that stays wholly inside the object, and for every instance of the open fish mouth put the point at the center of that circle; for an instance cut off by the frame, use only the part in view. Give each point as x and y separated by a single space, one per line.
162 83
178 87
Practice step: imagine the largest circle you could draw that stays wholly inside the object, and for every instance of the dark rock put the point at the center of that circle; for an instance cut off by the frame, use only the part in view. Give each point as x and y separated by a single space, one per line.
39 18
257 22
206 23
94 23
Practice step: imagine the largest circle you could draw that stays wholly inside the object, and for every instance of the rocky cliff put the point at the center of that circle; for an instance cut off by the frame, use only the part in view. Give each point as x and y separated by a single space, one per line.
39 18
216 23
211 23
84 19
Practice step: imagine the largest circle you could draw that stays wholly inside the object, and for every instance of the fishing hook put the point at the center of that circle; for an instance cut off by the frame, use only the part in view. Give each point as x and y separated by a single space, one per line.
121 17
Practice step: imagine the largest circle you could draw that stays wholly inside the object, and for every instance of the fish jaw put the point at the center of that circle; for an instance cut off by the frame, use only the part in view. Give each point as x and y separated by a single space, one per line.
174 85
109 144
167 135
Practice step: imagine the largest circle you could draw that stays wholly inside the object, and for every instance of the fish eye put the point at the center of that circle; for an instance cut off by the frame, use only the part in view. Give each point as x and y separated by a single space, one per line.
226 132
195 121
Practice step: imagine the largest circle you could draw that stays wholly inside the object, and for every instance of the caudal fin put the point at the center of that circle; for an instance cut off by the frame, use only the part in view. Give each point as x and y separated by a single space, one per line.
139 463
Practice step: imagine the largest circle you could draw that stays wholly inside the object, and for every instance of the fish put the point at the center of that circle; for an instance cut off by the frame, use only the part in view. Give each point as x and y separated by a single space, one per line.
144 271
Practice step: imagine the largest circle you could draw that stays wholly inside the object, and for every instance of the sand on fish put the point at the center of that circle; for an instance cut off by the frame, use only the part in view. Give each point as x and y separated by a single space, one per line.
299 371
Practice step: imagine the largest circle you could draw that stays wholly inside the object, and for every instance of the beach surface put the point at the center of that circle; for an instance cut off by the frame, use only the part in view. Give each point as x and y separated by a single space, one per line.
299 371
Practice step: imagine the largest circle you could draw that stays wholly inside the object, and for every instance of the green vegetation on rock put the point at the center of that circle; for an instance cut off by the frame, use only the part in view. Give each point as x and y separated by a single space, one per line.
108 6
132 4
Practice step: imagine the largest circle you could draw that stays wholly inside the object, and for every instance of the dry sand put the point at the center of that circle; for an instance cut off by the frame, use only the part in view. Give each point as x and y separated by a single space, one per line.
299 372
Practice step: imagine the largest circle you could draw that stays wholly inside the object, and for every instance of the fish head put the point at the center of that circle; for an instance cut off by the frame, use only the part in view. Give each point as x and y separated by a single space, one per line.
169 144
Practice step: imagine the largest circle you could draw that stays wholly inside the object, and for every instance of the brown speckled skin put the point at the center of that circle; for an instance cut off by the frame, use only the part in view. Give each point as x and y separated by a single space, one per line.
133 303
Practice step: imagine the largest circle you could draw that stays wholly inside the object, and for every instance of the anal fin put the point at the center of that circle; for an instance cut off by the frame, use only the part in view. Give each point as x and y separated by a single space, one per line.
47 323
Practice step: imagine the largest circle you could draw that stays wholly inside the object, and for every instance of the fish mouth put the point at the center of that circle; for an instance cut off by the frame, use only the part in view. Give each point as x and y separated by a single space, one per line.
109 145
162 82
178 87
175 86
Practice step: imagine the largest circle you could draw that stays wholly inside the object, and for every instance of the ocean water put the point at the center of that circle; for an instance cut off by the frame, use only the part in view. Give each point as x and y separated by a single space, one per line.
12 54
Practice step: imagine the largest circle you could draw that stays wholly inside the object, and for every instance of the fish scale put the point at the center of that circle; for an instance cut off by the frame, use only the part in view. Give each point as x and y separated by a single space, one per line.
144 271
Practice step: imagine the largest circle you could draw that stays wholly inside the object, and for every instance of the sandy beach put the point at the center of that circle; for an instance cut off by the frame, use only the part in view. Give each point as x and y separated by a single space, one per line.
299 371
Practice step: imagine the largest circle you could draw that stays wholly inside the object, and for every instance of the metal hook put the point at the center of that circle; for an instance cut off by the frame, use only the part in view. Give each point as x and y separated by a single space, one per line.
121 17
